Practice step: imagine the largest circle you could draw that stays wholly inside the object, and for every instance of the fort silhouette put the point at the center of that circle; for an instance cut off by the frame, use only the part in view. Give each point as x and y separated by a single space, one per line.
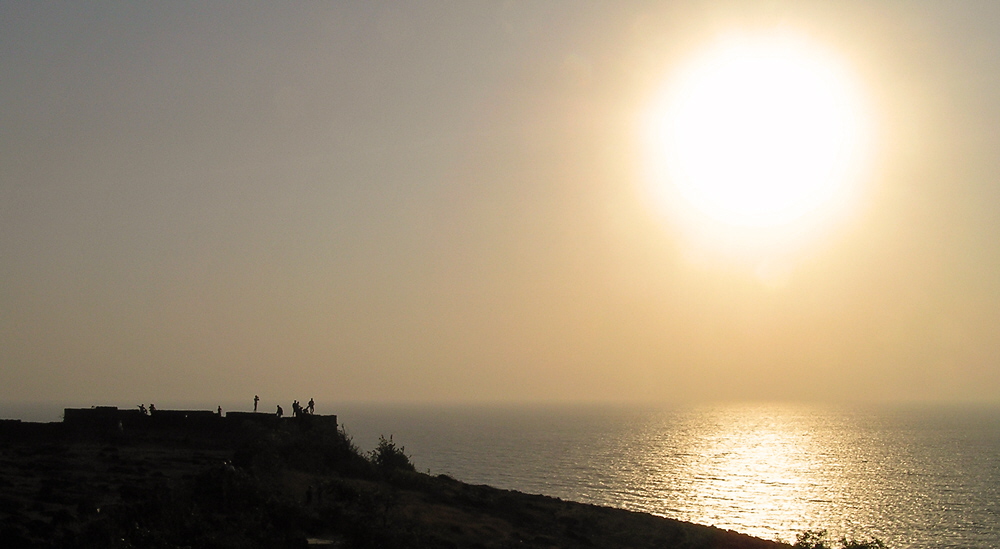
202 424
112 416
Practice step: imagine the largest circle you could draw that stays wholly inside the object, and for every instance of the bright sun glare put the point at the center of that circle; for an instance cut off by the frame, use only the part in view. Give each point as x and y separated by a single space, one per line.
758 133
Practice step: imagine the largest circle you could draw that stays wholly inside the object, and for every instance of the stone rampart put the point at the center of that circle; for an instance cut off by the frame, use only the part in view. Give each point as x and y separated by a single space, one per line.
110 417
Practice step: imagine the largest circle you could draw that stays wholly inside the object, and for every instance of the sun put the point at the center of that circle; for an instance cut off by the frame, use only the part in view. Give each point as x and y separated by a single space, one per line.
758 132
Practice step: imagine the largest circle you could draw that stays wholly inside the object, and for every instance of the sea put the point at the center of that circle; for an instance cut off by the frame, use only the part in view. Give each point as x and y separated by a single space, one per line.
911 476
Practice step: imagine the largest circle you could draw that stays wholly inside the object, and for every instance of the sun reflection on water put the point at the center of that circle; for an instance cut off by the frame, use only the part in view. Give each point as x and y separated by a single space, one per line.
914 478
751 469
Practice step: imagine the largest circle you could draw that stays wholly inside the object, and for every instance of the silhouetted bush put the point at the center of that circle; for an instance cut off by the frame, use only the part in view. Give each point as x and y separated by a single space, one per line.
817 539
389 457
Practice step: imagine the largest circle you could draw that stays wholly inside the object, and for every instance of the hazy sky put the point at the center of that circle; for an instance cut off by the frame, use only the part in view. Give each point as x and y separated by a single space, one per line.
449 201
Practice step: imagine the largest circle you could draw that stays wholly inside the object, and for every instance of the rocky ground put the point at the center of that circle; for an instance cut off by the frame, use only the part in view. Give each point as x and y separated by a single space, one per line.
284 486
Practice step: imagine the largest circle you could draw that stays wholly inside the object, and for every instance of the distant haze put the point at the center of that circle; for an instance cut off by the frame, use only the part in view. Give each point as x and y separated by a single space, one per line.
448 202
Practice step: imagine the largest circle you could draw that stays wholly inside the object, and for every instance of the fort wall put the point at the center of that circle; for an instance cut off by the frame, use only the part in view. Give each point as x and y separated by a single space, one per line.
110 417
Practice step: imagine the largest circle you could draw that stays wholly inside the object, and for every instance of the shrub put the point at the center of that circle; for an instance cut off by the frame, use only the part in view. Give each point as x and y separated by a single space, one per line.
389 457
811 539
872 543
816 539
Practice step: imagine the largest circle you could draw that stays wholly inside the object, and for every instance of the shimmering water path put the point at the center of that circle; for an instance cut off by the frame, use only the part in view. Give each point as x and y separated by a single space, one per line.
914 477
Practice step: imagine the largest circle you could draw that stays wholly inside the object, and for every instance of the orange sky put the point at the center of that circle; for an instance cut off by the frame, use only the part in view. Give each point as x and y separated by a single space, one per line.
445 202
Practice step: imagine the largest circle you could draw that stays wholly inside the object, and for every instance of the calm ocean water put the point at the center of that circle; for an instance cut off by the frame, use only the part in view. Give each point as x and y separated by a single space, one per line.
914 477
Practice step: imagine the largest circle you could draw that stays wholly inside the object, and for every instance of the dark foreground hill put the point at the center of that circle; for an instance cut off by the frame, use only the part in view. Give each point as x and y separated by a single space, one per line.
291 483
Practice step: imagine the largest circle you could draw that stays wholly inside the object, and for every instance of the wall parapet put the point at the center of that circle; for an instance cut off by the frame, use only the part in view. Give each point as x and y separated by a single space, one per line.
104 417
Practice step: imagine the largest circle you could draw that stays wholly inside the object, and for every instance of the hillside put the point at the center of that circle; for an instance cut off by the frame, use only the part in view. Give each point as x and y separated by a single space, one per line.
254 481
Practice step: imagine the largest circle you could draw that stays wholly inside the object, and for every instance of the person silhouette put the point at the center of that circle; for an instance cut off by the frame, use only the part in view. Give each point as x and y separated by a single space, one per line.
152 407
142 408
280 411
255 400
312 406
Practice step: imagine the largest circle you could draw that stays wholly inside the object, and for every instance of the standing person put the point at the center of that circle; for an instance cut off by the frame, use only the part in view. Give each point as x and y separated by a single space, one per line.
312 406
219 411
255 400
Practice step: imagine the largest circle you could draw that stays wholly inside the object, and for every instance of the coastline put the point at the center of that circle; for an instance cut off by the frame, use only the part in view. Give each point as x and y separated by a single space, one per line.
265 483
